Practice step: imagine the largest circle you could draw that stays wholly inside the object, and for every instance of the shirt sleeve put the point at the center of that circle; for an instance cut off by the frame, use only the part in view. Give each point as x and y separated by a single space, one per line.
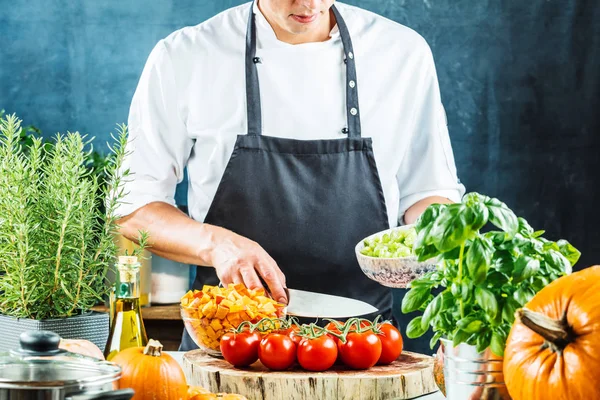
428 167
158 146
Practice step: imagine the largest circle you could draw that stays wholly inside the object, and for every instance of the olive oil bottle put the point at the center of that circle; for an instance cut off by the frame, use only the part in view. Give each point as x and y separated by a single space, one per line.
126 324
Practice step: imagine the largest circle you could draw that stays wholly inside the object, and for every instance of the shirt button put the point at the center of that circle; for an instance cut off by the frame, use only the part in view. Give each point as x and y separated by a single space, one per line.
345 131
350 55
353 111
352 84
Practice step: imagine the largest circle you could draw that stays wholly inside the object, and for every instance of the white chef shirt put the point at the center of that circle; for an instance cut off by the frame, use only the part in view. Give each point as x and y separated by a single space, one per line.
190 104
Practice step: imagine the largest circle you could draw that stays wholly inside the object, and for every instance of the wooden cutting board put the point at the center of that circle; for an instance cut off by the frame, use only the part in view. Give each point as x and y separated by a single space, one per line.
406 378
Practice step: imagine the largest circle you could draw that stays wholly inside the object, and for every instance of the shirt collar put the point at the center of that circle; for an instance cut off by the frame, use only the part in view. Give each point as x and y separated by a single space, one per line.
266 38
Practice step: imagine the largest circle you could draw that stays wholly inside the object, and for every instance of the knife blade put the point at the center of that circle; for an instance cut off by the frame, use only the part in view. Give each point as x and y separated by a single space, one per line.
302 303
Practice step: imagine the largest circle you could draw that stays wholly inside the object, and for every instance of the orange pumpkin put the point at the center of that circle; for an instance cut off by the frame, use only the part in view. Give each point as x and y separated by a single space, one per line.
438 369
152 374
81 346
553 349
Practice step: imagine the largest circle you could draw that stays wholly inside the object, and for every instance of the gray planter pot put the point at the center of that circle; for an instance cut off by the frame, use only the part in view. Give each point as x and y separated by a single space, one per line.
92 326
472 375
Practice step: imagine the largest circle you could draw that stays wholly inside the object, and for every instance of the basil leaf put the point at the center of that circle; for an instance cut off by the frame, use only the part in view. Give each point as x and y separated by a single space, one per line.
465 291
426 252
496 279
460 336
557 262
523 295
504 262
478 216
456 289
451 228
486 300
483 342
497 344
474 198
435 339
524 228
525 268
470 324
428 216
432 310
415 298
415 329
509 309
479 257
497 237
502 216
567 250
537 234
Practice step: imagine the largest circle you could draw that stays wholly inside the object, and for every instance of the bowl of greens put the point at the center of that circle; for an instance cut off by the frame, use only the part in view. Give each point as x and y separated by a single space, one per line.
387 257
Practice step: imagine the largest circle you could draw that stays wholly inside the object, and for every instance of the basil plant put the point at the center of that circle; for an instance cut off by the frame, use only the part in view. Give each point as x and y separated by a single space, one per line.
481 278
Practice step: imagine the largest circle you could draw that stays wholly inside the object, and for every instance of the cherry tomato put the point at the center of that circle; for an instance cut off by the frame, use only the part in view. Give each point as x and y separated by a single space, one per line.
277 351
240 349
391 344
361 350
317 354
292 333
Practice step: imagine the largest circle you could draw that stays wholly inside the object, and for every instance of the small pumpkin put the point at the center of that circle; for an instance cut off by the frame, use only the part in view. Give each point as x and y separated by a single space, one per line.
553 349
194 390
151 373
81 346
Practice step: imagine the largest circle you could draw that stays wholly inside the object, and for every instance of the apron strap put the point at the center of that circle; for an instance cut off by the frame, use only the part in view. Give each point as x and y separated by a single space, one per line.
253 90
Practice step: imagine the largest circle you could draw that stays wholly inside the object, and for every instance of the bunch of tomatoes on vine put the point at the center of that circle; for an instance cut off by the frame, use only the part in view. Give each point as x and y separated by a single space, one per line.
281 342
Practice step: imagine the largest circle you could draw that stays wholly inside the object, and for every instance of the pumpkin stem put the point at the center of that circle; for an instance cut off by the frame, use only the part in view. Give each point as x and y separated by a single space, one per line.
153 348
557 333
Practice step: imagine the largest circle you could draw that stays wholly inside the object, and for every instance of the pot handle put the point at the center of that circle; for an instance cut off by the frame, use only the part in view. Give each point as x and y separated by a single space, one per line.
123 394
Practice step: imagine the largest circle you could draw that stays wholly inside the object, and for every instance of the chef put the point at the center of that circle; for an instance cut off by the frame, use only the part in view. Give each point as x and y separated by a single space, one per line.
305 126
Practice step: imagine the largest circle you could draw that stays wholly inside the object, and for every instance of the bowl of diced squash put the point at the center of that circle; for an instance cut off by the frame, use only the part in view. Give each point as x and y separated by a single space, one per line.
211 312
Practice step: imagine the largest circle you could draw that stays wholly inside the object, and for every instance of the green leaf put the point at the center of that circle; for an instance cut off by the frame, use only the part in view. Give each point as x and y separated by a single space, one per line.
537 234
460 336
432 310
523 295
524 228
465 290
415 329
525 268
497 344
483 341
487 300
503 261
470 324
428 216
477 216
497 237
569 251
502 216
496 279
451 228
479 257
557 262
425 252
473 198
455 289
415 299
435 339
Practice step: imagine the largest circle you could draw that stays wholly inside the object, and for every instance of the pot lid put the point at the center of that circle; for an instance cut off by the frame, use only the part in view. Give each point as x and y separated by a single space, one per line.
39 363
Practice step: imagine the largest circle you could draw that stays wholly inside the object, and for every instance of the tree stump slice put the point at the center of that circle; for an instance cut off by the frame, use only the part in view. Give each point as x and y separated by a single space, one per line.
406 378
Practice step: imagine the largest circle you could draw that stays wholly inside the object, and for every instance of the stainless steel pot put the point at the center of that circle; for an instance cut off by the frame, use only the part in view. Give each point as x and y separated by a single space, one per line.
40 370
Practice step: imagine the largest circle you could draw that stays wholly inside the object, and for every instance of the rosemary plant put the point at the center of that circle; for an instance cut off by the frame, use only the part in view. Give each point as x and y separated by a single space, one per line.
57 223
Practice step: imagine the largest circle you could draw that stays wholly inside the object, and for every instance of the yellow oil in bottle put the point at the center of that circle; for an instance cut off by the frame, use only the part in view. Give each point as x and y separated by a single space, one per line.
126 323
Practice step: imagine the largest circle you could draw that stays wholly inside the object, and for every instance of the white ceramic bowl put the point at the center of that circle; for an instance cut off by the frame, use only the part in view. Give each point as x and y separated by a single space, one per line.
392 272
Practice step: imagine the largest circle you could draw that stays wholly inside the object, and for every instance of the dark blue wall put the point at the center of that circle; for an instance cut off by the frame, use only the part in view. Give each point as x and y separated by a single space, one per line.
520 80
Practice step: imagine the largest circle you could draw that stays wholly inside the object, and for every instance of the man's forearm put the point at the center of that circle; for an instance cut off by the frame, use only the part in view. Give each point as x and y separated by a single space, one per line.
414 212
171 233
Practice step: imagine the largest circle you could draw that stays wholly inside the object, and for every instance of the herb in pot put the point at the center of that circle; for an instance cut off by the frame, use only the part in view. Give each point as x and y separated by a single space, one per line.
483 277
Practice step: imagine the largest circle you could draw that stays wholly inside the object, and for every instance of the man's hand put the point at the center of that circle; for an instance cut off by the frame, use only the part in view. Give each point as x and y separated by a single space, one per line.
176 236
237 259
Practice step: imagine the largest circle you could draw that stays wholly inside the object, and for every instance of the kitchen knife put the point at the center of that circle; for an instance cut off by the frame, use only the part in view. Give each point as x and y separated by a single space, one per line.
318 305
